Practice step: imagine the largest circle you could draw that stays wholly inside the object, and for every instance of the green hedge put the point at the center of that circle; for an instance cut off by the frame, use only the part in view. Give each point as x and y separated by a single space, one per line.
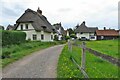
12 37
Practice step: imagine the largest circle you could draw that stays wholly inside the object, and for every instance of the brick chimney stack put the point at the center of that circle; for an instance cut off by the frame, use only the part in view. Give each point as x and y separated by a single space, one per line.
39 11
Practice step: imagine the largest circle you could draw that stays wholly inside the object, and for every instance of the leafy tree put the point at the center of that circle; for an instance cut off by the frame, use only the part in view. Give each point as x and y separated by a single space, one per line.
73 36
67 37
70 31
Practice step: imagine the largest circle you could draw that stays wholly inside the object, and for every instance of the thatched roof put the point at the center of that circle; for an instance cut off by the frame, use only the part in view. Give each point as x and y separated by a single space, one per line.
38 21
84 28
59 26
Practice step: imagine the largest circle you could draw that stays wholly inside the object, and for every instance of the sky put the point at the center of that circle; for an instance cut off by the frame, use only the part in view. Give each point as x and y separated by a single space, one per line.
96 13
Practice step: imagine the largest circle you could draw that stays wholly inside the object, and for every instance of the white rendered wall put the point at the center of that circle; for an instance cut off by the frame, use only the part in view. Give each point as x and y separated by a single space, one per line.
29 26
87 35
30 31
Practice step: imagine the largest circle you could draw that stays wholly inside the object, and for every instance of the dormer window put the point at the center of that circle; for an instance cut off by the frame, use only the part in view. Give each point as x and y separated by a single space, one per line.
53 30
21 27
26 26
44 27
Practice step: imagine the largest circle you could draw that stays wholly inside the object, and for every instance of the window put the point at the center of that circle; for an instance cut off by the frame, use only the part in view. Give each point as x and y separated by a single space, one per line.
26 26
42 37
102 37
81 33
51 37
34 37
21 27
92 37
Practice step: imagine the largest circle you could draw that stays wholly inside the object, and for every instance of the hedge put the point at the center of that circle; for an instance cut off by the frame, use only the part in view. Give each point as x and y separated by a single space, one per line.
12 37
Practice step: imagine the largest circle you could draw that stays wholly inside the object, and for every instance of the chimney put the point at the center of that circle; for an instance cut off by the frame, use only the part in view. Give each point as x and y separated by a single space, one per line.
104 28
83 22
60 23
39 11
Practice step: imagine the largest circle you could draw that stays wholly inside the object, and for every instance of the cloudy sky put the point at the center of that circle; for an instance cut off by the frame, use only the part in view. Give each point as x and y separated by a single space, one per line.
98 13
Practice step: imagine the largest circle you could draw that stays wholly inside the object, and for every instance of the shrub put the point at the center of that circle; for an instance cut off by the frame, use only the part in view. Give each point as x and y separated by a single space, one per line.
6 53
73 36
67 37
12 37
56 38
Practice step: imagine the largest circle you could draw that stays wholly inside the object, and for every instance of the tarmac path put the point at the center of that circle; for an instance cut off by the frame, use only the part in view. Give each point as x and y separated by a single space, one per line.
40 64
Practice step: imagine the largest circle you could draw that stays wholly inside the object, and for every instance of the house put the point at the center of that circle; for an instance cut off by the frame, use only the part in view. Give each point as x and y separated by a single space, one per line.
35 25
107 34
83 32
67 33
60 30
10 27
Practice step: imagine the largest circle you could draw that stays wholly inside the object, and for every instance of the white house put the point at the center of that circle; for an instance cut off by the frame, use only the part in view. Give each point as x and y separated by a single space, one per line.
83 32
60 30
36 26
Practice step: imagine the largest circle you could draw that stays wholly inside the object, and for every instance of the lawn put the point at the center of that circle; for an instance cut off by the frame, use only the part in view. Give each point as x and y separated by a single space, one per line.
95 66
16 52
109 47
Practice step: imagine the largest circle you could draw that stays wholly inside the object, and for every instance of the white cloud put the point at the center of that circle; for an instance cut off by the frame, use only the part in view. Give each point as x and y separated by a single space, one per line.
69 12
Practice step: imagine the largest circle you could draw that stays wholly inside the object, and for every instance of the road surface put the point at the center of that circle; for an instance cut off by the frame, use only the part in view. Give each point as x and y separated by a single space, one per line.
40 64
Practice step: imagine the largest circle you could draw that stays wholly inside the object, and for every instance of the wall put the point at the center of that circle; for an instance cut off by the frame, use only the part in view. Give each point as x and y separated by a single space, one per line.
92 34
87 35
30 31
82 35
29 26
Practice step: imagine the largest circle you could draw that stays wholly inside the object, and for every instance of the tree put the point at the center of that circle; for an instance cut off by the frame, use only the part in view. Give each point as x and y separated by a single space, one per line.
73 36
70 31
67 37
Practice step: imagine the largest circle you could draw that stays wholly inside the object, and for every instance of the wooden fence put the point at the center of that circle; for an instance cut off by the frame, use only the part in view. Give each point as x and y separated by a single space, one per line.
96 53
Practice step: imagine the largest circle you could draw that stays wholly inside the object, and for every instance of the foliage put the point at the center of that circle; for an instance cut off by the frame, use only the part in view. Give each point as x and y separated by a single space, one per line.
67 37
73 36
70 31
56 38
12 37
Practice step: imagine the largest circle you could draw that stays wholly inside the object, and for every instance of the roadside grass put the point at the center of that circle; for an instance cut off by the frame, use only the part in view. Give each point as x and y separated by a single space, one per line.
66 68
19 51
95 66
109 47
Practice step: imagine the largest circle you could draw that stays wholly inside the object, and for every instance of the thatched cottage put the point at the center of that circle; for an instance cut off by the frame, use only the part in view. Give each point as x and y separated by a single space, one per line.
35 25
60 30
86 33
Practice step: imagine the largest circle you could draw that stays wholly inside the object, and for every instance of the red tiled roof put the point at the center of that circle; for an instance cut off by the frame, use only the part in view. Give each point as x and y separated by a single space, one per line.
107 33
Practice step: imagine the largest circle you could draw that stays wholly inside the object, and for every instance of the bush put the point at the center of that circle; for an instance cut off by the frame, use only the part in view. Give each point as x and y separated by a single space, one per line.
56 38
67 37
12 37
6 53
73 36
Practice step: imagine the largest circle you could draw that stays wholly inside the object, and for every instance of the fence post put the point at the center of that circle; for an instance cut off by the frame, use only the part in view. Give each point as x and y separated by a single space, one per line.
69 45
83 56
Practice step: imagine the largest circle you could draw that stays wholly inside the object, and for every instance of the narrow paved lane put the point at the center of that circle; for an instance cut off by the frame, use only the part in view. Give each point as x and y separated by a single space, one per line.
41 64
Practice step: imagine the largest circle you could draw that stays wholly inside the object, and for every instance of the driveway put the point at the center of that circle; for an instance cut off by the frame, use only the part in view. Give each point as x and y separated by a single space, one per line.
40 64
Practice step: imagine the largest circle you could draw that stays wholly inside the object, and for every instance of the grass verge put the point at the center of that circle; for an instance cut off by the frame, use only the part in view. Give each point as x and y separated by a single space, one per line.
95 66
